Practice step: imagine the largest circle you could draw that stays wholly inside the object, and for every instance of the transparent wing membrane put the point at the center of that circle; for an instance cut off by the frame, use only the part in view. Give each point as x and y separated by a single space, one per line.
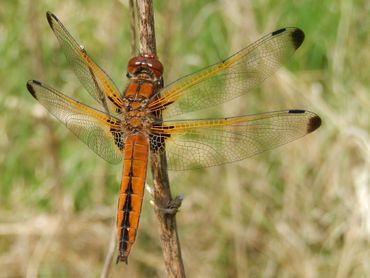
230 78
92 77
204 143
97 130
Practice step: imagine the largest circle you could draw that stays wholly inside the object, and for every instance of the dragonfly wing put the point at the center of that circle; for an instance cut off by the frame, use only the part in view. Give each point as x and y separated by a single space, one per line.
98 130
230 78
92 77
204 143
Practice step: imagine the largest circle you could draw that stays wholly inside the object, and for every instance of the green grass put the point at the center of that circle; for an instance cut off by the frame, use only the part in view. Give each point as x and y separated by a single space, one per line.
298 211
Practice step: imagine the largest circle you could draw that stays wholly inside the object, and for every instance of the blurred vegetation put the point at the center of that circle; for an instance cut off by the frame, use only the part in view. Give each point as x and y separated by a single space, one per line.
298 211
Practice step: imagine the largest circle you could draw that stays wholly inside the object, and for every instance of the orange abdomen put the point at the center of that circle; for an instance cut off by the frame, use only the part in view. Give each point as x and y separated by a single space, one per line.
131 192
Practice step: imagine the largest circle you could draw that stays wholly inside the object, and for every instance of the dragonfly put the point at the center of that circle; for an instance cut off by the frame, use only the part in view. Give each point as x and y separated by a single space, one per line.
147 117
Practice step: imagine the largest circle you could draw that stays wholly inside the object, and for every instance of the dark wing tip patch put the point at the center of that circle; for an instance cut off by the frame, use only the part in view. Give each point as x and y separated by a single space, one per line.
51 17
278 31
296 111
313 124
30 87
297 37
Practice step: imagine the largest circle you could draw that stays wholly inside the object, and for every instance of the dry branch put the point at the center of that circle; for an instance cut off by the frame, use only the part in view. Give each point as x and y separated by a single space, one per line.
162 194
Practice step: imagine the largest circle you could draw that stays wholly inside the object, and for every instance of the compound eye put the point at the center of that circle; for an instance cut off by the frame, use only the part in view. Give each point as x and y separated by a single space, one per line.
145 62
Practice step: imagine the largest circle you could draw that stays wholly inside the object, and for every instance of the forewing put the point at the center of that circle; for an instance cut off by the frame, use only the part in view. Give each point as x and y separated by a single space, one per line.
230 78
204 143
98 130
92 77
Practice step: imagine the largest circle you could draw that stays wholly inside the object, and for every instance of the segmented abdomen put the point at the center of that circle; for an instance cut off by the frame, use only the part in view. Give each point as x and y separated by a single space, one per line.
131 192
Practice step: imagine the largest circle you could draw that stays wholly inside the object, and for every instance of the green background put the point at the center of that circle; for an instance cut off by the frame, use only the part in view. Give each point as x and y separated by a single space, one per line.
298 211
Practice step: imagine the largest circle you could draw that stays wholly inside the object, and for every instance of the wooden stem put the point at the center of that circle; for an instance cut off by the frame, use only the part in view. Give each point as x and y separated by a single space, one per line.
162 193
145 16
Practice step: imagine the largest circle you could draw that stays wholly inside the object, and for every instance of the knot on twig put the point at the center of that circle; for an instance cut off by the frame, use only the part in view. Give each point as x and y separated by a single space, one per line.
172 206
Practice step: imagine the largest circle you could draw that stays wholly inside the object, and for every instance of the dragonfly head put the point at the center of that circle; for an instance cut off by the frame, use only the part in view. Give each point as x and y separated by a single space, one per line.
147 65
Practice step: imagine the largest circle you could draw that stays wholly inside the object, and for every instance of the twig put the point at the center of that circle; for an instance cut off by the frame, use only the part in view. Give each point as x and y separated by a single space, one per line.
162 194
109 256
42 247
145 16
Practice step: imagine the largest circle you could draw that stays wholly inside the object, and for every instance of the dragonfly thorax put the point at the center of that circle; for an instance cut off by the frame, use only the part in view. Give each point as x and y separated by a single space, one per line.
137 116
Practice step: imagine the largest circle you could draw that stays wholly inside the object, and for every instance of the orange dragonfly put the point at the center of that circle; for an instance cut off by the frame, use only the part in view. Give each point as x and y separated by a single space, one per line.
142 119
